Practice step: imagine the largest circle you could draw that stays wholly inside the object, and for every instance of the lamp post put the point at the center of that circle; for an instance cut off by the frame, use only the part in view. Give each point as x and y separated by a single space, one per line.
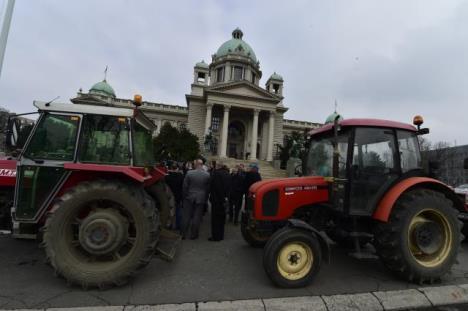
5 30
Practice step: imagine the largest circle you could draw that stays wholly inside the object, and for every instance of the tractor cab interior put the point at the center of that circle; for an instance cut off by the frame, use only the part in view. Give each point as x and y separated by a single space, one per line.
370 160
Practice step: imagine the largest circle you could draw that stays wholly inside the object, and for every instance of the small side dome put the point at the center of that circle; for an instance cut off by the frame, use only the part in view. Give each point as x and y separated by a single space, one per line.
202 64
102 88
331 118
276 76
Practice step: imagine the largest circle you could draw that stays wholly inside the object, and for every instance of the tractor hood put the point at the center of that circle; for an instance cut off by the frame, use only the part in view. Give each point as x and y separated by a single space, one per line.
277 199
7 173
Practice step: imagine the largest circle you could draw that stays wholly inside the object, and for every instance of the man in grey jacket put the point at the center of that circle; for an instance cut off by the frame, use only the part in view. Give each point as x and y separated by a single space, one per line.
195 193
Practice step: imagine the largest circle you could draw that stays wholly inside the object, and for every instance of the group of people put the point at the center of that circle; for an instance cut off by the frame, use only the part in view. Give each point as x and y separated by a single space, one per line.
201 186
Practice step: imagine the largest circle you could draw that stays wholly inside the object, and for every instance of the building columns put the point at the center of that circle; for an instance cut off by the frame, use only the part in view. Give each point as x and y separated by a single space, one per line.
224 132
253 144
271 127
209 108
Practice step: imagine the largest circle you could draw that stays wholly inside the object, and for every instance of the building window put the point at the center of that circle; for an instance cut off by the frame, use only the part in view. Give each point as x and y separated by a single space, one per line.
238 73
220 74
276 88
215 123
253 77
182 126
201 77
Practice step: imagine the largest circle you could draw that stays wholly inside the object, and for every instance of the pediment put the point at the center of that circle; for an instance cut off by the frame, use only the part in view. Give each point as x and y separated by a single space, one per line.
243 89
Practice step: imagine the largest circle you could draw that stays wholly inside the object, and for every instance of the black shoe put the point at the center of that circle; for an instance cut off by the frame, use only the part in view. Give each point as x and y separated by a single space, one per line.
212 239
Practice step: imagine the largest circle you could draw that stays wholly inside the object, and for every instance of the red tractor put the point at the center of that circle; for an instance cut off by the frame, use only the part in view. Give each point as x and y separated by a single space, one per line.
86 184
363 183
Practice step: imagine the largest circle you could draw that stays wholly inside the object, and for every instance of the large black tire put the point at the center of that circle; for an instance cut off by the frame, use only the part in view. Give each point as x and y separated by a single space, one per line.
252 237
420 242
292 257
6 202
84 253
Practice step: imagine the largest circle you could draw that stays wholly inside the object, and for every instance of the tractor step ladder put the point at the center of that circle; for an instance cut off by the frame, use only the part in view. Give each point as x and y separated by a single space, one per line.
358 252
167 244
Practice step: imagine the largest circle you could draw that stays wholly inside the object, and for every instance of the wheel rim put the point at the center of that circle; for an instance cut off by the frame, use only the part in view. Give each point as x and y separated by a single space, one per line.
295 260
430 238
100 231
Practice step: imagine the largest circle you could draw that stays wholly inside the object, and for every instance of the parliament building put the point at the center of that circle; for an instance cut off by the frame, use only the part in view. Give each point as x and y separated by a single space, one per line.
226 103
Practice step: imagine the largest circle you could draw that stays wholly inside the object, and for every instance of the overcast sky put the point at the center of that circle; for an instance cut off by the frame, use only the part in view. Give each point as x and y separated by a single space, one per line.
379 59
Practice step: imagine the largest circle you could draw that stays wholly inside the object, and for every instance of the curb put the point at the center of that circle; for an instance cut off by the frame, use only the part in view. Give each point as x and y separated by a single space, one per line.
423 297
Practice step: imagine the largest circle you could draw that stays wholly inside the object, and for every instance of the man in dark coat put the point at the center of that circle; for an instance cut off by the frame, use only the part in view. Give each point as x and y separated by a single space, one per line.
219 194
237 192
251 177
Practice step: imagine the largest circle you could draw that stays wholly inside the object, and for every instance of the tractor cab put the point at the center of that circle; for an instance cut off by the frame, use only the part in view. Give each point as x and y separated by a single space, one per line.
363 158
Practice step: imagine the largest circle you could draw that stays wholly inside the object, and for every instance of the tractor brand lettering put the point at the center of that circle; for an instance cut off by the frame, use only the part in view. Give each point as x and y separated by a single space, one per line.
299 188
7 172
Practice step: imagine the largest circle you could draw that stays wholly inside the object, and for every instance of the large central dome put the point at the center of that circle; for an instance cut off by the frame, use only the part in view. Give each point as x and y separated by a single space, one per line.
236 46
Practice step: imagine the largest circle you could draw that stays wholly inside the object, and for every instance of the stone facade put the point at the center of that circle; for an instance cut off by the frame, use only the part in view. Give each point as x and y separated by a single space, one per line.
226 102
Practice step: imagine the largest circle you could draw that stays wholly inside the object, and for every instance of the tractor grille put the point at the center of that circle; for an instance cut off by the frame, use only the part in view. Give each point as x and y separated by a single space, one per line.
270 203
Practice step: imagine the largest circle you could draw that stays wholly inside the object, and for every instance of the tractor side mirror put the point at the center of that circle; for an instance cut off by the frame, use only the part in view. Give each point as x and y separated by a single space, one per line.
465 164
12 132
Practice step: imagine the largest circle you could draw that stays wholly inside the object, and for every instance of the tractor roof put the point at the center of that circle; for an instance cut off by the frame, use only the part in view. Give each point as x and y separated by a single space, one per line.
86 109
99 110
365 122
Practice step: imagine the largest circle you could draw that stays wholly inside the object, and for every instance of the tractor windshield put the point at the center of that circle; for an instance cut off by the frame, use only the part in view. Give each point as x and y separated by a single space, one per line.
142 146
320 156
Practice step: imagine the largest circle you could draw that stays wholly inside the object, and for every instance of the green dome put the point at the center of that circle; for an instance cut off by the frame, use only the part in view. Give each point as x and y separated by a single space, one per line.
276 76
202 64
331 118
102 88
236 46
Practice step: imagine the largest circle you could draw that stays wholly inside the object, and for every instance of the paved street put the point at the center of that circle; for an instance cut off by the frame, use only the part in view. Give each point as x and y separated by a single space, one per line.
202 271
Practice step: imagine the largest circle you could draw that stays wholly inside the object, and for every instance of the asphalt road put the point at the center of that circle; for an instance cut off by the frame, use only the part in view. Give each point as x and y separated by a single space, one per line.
201 271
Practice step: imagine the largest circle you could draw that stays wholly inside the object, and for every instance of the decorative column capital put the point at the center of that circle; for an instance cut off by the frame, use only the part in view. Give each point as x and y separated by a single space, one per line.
256 112
209 105
227 107
272 114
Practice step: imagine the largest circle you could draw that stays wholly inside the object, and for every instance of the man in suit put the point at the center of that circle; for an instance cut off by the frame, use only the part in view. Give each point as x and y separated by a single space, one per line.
251 177
237 192
195 192
219 193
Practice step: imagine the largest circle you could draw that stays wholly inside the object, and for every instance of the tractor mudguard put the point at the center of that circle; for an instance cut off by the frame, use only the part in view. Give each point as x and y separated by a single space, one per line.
324 240
385 206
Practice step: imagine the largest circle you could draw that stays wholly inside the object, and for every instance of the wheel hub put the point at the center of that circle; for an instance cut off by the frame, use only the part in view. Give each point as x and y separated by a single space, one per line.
103 231
428 237
295 260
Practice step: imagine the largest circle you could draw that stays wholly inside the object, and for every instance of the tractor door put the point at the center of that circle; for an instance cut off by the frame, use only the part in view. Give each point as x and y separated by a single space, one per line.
374 167
40 167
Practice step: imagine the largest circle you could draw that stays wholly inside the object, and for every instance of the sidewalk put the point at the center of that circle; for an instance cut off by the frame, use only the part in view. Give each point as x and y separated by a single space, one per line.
409 299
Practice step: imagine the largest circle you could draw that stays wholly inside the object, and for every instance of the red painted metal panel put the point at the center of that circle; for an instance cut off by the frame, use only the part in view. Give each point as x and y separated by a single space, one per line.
7 173
365 122
136 173
293 193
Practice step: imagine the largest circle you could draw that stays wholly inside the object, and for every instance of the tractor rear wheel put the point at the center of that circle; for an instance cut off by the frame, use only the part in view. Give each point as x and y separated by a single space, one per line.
420 241
249 234
292 257
99 233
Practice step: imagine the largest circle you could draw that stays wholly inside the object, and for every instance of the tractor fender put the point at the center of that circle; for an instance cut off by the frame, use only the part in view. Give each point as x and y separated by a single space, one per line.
385 206
324 240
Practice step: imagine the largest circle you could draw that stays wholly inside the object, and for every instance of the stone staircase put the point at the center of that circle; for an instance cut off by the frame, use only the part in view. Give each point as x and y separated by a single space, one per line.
266 170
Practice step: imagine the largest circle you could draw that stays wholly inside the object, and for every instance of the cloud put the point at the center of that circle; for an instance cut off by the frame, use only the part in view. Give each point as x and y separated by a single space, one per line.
385 59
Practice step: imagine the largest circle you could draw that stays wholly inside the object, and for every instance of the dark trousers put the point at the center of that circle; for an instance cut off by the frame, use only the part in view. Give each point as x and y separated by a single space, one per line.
218 218
235 205
192 214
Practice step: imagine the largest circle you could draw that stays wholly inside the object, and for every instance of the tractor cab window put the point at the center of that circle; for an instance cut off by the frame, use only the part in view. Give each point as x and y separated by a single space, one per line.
320 156
54 138
142 146
104 140
408 146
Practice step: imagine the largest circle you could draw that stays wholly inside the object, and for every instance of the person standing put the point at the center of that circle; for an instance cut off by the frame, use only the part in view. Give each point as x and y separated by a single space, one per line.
237 192
195 191
175 181
251 177
219 194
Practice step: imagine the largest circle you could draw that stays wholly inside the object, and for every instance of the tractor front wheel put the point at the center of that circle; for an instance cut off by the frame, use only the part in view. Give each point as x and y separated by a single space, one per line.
420 241
99 233
292 257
